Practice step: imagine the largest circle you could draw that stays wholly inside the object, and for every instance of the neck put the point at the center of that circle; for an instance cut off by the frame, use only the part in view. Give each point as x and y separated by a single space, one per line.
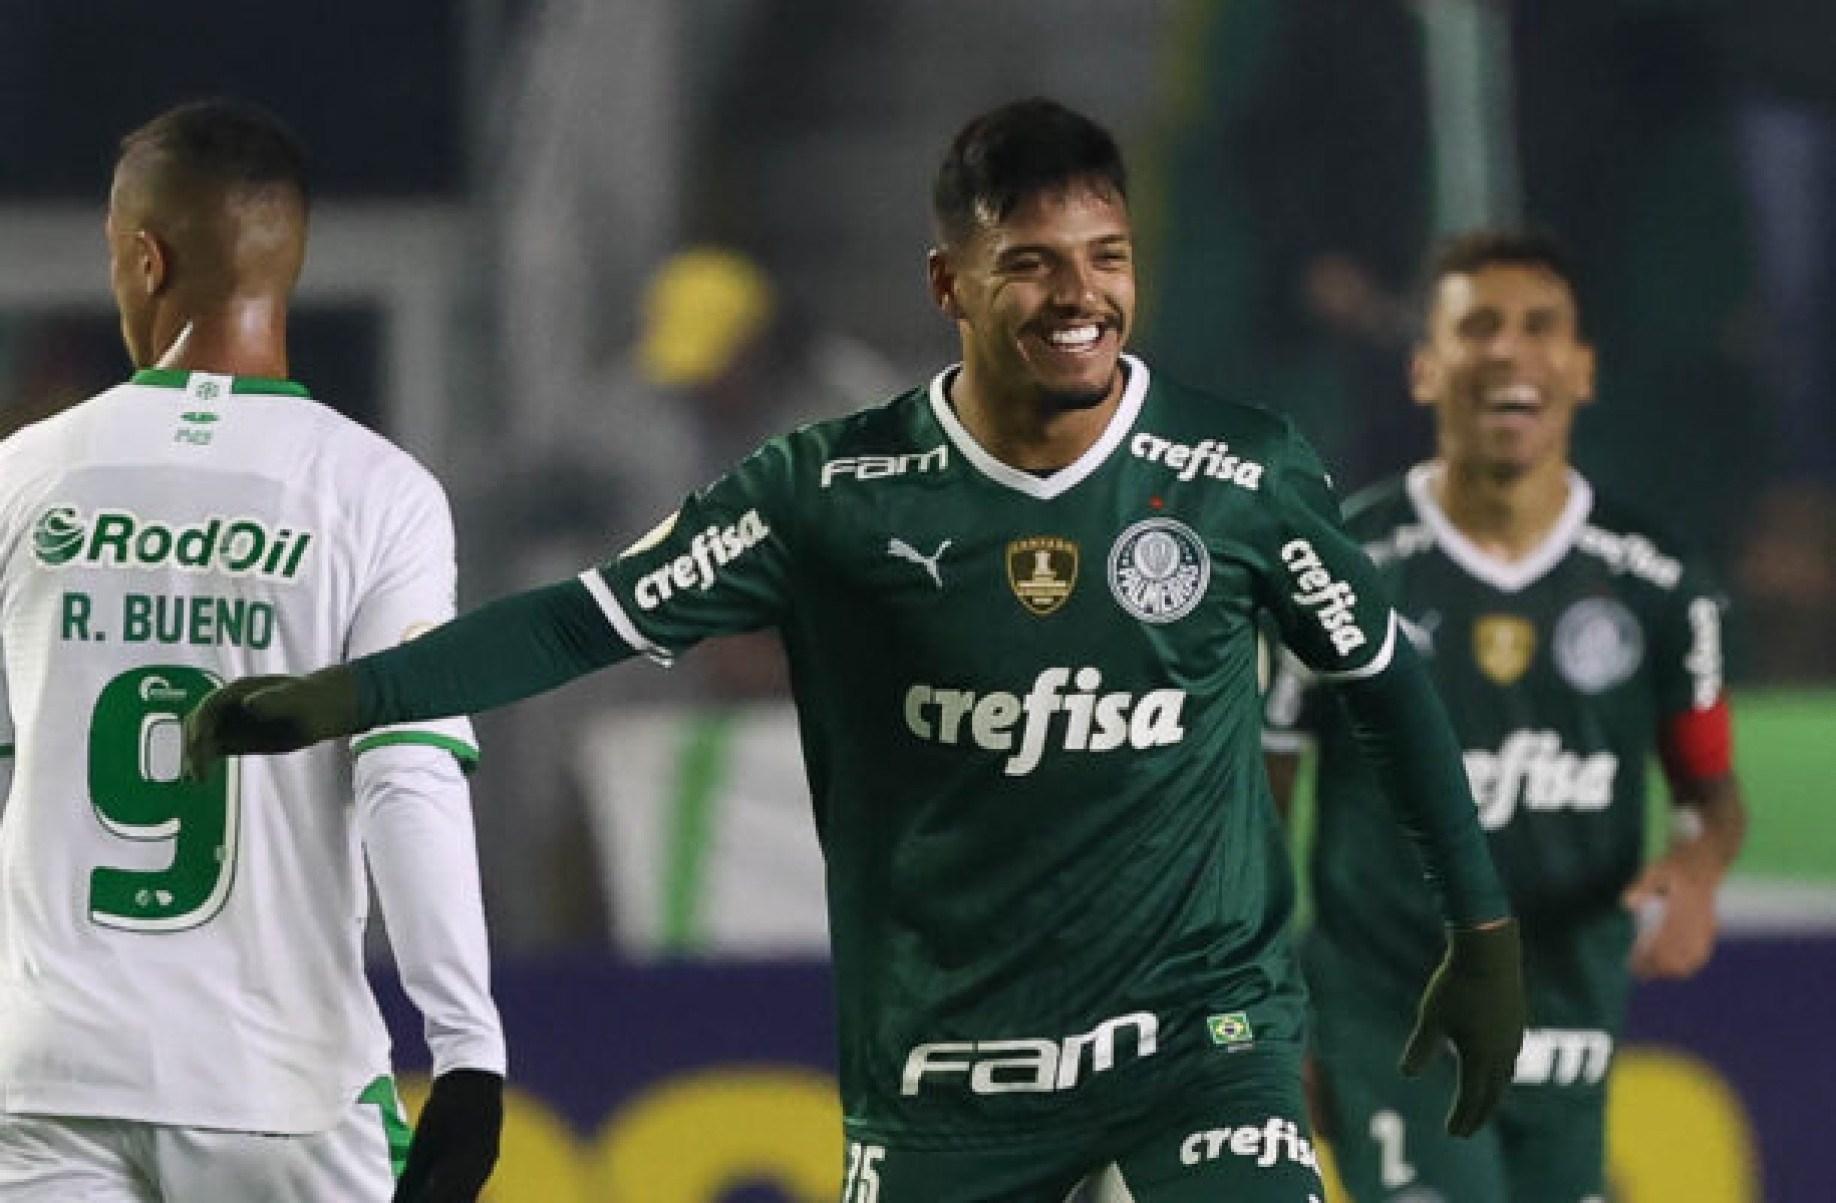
1029 432
245 337
1505 516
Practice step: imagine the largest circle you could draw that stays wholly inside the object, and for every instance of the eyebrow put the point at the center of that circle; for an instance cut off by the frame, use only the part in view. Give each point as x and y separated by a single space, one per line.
1105 241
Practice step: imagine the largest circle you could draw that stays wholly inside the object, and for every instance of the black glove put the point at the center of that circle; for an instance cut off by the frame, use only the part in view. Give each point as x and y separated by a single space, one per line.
1474 1001
268 715
455 1142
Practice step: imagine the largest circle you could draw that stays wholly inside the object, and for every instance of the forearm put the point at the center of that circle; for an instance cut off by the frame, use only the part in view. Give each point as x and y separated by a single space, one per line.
511 649
414 811
1406 738
1711 825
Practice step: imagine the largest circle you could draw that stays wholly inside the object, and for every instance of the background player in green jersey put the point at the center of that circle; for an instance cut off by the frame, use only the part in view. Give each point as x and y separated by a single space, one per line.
1020 606
1569 642
184 1012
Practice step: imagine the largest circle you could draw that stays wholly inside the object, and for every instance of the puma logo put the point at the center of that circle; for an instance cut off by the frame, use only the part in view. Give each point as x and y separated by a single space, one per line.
900 549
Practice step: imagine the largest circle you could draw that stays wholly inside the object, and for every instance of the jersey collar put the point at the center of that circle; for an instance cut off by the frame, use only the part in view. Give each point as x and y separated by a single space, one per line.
1507 576
1055 483
245 385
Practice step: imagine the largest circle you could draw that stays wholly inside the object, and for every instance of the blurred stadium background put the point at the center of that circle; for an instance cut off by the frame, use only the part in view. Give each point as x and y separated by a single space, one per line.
579 254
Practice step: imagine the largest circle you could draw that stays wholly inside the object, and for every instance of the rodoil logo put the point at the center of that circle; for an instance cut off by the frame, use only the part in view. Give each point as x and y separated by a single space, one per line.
223 545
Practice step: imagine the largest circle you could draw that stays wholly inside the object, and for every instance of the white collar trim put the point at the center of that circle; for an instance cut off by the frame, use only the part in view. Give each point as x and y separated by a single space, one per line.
1507 576
1056 483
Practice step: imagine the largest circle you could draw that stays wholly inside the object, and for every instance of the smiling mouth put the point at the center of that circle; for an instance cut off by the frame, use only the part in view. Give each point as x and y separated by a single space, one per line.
1079 339
1513 399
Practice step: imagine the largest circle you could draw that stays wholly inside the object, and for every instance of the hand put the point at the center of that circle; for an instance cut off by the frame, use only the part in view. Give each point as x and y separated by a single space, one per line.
1675 900
1313 1088
455 1142
1474 1001
268 715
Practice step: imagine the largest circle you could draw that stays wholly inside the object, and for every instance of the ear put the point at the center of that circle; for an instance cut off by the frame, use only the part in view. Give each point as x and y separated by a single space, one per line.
1425 376
1583 373
942 278
152 262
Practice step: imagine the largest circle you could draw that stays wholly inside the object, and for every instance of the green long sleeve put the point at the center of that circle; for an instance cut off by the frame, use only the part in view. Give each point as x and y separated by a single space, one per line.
1407 739
510 649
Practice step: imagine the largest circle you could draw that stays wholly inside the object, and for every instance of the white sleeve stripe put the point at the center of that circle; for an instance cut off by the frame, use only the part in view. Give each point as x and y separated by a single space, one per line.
1286 741
621 622
1378 663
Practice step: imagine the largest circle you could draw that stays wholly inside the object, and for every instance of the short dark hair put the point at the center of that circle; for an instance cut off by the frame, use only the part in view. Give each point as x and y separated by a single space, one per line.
1497 246
227 142
1015 151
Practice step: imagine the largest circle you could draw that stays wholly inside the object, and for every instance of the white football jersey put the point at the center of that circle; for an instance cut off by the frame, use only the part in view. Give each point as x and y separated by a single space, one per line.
177 952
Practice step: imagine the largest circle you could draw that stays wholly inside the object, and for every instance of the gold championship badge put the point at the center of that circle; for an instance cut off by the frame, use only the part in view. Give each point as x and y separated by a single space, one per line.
1503 645
1042 571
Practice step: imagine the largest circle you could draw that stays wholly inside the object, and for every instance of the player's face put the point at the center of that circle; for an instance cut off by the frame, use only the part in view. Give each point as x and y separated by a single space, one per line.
126 263
1504 366
1045 299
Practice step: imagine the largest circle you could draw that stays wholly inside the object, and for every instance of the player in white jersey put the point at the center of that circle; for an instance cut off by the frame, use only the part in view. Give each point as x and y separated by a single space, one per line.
183 1009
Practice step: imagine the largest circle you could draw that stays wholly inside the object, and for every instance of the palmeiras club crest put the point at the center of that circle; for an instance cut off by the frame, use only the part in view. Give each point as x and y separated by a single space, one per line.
1158 569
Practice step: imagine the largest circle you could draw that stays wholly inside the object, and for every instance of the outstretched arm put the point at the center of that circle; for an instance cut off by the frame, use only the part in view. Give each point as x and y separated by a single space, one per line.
510 649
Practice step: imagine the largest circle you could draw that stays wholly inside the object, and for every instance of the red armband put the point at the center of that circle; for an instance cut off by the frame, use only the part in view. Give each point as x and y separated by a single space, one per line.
1697 745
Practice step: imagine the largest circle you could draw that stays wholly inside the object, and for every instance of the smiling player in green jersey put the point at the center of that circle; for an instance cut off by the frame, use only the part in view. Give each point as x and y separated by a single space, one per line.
184 1013
1020 604
1570 642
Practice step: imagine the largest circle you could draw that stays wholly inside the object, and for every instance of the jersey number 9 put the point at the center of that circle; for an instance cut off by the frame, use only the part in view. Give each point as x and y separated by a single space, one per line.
136 789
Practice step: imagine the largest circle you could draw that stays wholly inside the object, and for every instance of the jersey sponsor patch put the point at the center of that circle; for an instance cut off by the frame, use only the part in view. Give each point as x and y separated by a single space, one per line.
1031 1064
1331 601
882 467
1503 646
1632 554
1563 1057
1092 721
1533 770
1703 660
699 567
1276 1138
1598 644
1042 572
1209 458
62 538
1158 570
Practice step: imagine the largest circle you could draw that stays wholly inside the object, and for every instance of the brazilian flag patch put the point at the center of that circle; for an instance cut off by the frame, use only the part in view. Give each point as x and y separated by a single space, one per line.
1232 1030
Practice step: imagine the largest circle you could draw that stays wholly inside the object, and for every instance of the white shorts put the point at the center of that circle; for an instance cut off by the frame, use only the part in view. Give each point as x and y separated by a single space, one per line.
73 1159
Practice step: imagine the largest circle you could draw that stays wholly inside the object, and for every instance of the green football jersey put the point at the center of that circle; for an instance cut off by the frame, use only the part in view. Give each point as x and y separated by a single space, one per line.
1030 716
1559 671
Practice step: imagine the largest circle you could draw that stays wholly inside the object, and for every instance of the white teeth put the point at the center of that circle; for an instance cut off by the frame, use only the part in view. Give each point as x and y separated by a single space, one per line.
1514 394
1073 337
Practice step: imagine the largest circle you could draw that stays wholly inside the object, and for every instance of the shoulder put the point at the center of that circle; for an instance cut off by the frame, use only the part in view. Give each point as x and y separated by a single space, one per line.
42 450
362 462
1181 411
899 436
1382 516
1632 543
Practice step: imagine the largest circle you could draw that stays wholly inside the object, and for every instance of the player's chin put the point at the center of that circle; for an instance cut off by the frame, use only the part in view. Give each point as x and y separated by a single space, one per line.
1086 388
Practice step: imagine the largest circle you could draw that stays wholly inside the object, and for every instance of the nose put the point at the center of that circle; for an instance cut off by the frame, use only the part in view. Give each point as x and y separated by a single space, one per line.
1506 343
1074 285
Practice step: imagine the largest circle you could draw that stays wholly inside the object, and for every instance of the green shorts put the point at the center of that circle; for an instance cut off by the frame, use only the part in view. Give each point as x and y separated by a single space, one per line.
1241 1140
1547 1144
